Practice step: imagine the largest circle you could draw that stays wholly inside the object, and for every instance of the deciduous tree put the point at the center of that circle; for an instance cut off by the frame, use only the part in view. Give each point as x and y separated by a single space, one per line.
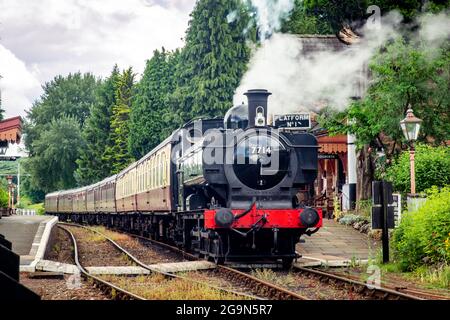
54 154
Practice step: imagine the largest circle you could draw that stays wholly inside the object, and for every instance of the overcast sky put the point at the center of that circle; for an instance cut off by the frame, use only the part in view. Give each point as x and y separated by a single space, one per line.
41 39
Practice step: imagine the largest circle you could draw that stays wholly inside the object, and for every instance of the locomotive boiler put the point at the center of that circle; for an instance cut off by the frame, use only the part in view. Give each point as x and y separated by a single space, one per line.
231 189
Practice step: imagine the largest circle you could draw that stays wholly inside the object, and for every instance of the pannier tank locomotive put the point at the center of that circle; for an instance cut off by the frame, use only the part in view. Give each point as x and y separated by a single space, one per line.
232 189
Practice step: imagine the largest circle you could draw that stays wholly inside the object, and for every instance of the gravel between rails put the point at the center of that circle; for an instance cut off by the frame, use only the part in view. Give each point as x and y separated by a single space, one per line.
310 288
62 289
95 251
158 287
60 248
143 250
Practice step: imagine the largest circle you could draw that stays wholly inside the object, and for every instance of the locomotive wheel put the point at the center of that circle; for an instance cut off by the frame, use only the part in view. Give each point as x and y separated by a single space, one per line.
287 263
219 260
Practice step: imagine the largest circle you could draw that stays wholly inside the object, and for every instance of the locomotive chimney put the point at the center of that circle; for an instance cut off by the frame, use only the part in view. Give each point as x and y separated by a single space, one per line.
257 107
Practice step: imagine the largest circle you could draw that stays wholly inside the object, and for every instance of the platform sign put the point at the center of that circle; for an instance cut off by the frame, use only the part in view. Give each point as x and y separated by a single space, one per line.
383 212
295 121
397 204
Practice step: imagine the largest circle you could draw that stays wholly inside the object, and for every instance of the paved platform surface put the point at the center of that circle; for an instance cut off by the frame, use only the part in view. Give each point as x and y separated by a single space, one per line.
335 244
26 234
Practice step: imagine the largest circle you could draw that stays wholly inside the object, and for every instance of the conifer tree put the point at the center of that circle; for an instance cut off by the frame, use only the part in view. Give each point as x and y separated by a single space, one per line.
214 59
117 153
91 166
148 122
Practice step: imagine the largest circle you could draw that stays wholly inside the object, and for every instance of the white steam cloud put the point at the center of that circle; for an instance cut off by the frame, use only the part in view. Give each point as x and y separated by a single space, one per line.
269 14
302 82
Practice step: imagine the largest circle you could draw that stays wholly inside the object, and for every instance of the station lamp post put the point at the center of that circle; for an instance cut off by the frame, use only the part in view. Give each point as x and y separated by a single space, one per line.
9 178
410 127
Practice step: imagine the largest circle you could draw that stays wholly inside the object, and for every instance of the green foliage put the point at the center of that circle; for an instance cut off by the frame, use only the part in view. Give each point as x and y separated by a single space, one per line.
350 219
39 207
3 198
52 165
117 153
52 132
424 235
70 96
92 166
403 73
301 21
150 115
432 168
213 61
336 14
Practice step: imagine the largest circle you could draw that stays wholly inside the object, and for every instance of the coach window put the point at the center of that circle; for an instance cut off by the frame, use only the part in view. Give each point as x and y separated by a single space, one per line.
149 174
161 173
140 178
155 174
164 160
158 171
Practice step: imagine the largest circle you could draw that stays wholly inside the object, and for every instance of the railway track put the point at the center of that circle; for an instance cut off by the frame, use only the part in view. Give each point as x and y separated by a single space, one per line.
265 290
113 291
402 288
347 283
371 292
257 288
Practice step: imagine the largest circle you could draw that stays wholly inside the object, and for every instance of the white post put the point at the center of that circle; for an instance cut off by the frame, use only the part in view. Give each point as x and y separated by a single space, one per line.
18 181
351 158
351 170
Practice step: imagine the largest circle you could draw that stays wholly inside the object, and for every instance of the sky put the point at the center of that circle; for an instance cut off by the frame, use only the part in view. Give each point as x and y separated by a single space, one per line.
45 38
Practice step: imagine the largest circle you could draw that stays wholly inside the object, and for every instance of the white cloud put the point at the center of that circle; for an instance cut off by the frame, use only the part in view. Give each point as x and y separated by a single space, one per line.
18 86
51 37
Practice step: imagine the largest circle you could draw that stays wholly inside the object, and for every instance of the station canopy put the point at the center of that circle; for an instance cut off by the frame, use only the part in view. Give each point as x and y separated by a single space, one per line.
11 130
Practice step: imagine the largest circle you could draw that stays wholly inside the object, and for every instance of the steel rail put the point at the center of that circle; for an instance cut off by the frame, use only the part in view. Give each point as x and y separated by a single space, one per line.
374 292
112 290
401 288
261 289
167 274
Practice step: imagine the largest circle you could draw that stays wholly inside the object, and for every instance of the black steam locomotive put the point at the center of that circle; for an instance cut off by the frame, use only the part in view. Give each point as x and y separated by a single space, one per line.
232 189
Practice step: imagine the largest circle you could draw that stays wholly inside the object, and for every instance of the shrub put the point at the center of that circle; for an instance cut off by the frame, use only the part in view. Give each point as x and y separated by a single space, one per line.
350 219
3 198
432 166
424 235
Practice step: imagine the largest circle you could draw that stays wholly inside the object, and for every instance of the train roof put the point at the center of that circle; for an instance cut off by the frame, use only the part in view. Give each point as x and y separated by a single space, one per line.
148 155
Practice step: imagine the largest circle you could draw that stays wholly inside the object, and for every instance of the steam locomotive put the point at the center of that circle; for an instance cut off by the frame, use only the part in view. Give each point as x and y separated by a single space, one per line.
232 189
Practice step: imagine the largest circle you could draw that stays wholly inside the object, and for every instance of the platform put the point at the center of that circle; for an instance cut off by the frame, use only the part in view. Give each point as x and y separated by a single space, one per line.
336 245
29 236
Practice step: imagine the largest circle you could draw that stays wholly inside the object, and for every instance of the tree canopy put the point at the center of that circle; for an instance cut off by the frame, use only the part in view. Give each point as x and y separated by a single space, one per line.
150 115
54 154
213 60
325 17
117 153
71 96
52 132
404 73
92 166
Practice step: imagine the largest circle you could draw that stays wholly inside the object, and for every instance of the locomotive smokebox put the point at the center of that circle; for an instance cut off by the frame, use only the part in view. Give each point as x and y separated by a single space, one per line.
257 107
